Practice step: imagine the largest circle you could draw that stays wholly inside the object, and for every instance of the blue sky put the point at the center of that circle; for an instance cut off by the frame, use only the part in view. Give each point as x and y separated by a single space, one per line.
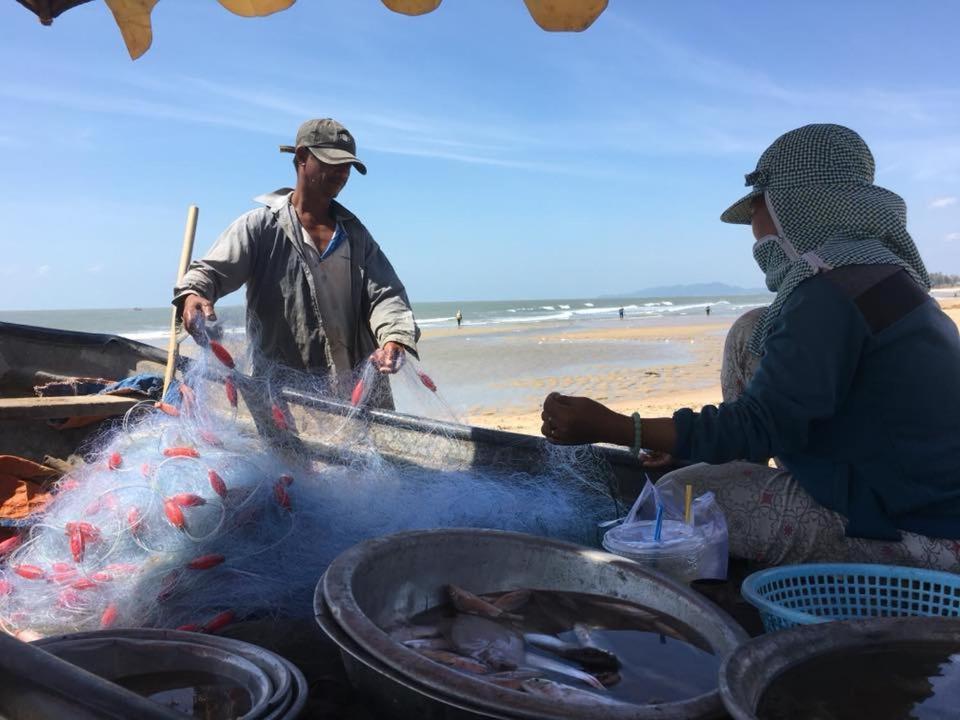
505 162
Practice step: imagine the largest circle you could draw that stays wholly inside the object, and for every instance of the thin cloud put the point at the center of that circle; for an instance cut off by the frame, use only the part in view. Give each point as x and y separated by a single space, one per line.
942 202
120 105
927 158
414 136
42 270
916 123
703 69
690 64
94 269
476 159
953 237
396 130
907 128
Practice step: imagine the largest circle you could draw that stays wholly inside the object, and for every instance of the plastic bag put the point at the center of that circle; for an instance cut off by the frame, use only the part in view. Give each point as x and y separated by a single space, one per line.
687 551
708 518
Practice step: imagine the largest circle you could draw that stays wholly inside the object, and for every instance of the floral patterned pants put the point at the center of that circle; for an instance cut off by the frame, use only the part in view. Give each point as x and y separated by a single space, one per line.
771 519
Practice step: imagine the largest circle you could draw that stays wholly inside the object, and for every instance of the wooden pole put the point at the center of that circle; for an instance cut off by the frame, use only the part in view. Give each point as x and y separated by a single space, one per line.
186 252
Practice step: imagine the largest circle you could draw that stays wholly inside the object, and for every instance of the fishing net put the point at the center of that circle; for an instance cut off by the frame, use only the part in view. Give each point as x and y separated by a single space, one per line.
228 501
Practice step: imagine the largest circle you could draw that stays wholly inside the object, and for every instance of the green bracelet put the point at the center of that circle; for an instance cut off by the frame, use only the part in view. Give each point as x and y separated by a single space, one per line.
637 448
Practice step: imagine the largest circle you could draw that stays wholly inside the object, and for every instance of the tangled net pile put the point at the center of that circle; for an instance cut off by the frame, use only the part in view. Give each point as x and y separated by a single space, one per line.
193 516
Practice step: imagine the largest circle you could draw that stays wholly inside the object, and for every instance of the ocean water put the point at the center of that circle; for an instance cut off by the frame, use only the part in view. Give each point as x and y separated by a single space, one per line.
507 356
151 325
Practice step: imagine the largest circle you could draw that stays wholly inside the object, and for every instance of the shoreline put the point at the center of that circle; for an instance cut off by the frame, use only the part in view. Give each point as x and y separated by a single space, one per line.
653 390
497 375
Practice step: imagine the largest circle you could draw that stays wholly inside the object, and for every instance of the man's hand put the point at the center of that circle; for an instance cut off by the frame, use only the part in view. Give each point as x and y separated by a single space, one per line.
571 420
389 358
195 308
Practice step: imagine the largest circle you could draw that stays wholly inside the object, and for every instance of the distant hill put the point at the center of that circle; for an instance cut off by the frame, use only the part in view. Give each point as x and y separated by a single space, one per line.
694 290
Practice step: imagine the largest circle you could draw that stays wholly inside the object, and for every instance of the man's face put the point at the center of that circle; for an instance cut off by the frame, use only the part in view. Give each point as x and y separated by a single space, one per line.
325 179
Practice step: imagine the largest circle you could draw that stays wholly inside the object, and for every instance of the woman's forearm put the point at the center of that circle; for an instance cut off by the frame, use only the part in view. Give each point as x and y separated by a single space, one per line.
659 434
656 433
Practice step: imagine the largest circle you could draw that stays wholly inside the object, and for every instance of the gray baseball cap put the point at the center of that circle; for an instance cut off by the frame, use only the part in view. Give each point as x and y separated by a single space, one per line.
329 141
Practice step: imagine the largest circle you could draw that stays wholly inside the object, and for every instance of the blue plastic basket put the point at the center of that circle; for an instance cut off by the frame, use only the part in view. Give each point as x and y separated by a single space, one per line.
805 594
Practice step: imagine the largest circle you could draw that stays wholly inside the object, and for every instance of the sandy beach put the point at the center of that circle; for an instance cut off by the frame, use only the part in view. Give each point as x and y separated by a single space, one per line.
653 367
496 370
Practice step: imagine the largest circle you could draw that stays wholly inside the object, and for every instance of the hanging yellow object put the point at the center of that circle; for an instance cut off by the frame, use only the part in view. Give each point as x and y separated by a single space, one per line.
256 8
412 7
133 19
565 15
133 16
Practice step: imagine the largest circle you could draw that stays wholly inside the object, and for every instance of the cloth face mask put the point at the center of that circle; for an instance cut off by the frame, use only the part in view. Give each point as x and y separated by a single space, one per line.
769 253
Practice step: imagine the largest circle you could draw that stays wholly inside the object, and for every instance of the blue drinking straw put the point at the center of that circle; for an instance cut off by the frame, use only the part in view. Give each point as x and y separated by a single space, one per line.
658 527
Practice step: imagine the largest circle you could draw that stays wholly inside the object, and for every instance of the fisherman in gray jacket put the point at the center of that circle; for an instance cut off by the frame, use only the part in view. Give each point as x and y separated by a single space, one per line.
321 295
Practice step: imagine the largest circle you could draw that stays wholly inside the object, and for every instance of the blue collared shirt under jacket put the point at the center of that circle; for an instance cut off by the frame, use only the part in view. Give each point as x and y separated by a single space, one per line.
858 395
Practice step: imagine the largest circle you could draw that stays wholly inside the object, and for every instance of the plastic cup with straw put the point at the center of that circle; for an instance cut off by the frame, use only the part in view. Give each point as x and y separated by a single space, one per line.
658 528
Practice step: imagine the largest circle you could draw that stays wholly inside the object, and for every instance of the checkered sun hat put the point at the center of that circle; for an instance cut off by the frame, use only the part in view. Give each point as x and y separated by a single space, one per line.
818 184
810 155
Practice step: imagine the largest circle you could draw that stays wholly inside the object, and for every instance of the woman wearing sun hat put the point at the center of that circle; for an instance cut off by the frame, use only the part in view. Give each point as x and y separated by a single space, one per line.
850 378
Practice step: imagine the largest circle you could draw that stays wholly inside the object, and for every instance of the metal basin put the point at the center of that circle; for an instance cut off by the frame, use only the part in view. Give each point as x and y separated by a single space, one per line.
747 673
396 694
383 581
277 689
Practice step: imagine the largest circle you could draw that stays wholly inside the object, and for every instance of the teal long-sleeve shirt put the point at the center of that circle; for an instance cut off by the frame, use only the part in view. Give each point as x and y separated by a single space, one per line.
858 394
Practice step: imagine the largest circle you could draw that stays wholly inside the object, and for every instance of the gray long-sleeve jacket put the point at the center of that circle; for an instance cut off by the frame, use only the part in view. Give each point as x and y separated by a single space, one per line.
264 249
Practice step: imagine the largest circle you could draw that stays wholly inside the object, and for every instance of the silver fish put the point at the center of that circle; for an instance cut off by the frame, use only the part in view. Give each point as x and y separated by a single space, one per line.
584 635
511 679
458 662
433 643
589 656
403 633
545 663
497 645
565 693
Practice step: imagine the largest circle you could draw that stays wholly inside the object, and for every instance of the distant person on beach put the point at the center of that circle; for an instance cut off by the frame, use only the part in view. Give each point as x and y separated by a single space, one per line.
621 313
459 317
708 311
850 378
321 295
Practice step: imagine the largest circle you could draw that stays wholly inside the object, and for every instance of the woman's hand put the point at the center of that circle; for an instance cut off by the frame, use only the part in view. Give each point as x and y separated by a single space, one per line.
656 459
569 420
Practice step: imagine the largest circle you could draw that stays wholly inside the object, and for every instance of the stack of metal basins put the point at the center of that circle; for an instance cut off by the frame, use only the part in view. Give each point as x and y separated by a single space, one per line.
383 582
269 686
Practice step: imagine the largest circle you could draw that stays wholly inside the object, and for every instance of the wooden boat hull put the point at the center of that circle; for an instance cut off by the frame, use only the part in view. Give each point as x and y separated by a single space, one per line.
32 355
